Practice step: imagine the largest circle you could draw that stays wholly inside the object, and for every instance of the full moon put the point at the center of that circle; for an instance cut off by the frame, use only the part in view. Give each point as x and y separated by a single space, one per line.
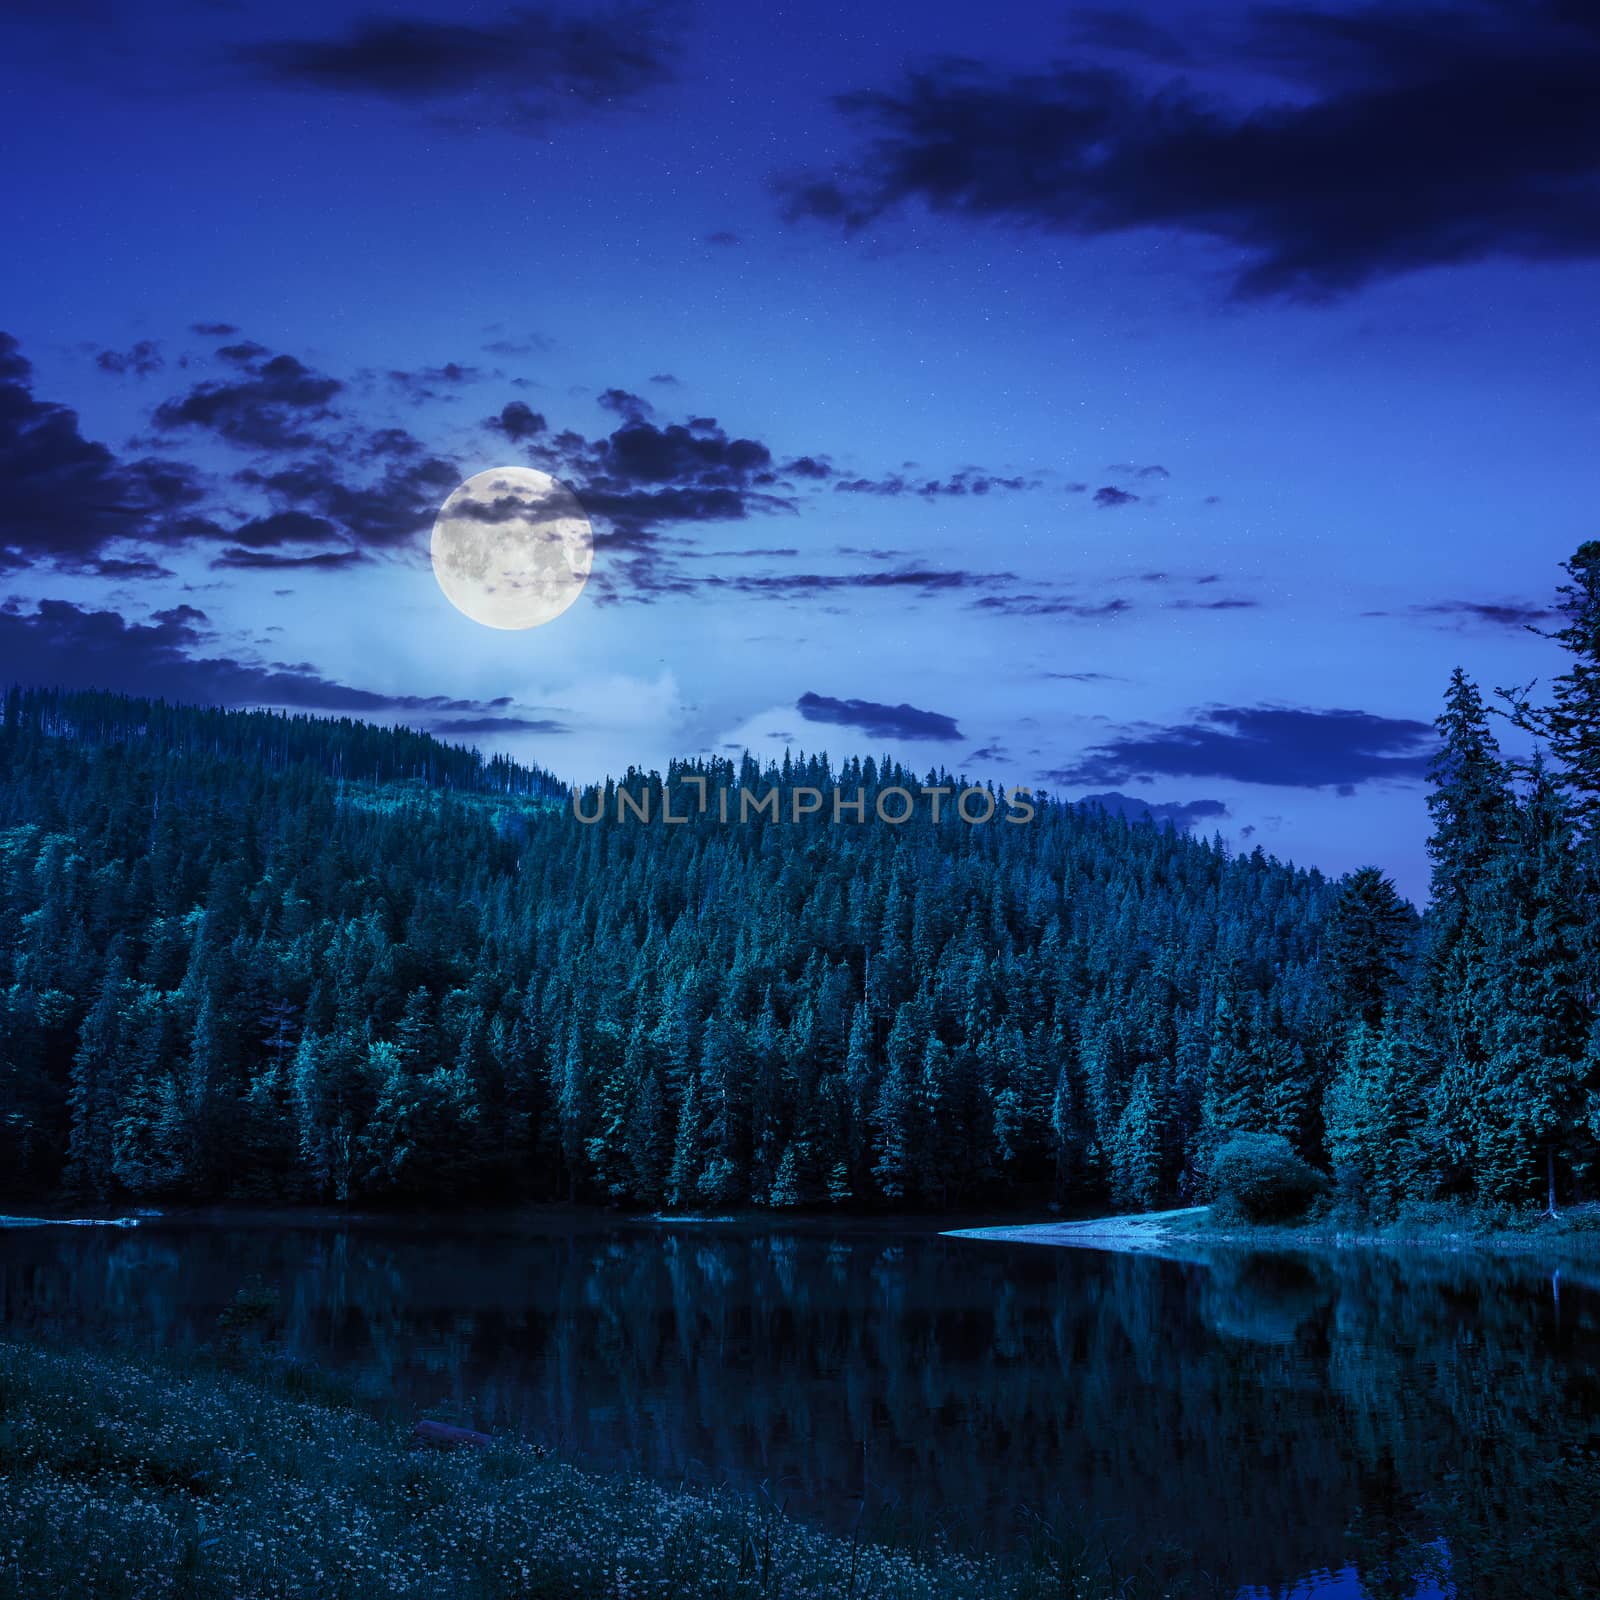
512 548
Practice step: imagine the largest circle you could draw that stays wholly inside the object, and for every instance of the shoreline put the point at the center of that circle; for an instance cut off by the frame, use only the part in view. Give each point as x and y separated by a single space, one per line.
1130 1232
1180 1233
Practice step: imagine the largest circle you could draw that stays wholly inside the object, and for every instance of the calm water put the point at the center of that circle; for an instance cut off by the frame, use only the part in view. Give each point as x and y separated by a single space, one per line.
1275 1417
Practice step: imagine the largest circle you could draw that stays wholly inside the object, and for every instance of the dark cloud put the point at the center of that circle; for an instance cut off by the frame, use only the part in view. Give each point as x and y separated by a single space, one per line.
469 725
1285 747
1129 469
385 514
530 344
625 403
144 358
698 452
1081 677
1229 603
272 408
927 580
393 442
880 721
645 477
1110 495
66 498
242 560
780 552
1182 814
666 380
64 644
1129 33
522 70
433 383
1495 613
1481 119
723 238
213 330
1046 605
970 480
133 567
518 421
282 527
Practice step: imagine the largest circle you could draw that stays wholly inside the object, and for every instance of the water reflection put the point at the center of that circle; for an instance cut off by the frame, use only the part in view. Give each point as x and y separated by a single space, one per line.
1280 1419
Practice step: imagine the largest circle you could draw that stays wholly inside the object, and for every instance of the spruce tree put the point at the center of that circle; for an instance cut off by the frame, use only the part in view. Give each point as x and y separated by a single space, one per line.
1368 943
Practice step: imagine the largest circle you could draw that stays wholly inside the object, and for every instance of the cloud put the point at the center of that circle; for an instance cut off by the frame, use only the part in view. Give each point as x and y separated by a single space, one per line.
522 70
880 721
386 513
970 480
213 330
144 358
531 344
696 452
242 560
128 567
67 498
927 580
270 409
1110 495
76 648
766 553
433 383
1044 605
244 353
644 476
1284 747
492 724
1482 120
326 490
1182 814
723 238
518 421
282 527
1496 613
625 403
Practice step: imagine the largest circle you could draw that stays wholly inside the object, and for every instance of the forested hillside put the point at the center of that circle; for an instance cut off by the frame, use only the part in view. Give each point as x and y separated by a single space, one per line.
248 956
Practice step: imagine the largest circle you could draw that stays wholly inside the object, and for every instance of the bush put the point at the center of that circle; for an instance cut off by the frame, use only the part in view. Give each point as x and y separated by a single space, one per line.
1259 1176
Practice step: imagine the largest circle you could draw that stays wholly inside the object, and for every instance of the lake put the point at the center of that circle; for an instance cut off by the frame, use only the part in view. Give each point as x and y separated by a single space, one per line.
1282 1420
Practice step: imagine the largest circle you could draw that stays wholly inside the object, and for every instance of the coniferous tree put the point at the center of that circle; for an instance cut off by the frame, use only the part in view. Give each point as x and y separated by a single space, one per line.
1571 722
429 981
1370 931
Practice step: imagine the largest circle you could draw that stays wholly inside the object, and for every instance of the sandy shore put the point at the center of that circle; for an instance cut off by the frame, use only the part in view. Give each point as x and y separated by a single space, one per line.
1150 1230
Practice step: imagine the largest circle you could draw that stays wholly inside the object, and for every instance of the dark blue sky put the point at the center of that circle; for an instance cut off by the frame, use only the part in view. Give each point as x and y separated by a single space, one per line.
1152 400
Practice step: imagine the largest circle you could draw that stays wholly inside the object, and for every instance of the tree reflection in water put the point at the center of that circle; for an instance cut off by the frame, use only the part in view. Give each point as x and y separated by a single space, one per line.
1271 1416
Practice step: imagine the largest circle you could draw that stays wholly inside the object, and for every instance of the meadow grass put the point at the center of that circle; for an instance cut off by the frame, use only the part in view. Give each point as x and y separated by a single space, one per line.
127 1477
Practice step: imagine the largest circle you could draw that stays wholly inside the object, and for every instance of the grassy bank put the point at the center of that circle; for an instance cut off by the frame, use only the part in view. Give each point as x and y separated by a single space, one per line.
124 1477
1574 1232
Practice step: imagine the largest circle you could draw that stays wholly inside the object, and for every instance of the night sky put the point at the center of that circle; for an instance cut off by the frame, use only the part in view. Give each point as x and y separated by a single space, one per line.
1152 402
